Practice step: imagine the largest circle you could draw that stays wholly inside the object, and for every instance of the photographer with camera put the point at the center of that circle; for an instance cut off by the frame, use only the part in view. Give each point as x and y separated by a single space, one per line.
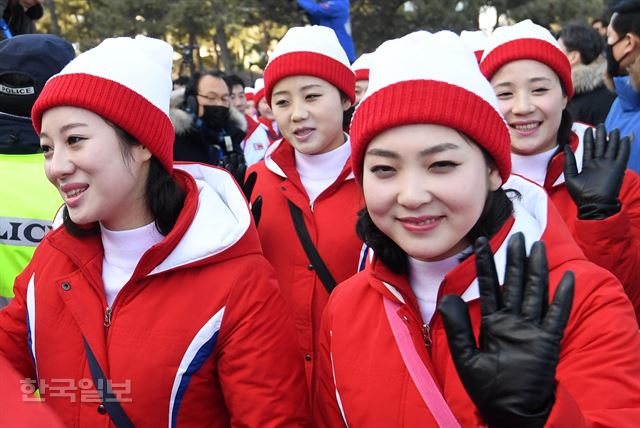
207 127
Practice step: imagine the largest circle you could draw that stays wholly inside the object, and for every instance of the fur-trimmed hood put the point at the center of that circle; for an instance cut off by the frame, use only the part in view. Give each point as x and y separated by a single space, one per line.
588 77
183 121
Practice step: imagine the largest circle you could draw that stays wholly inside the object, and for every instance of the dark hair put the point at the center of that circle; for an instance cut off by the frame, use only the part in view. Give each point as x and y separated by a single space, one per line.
578 36
628 18
192 87
497 209
348 113
163 196
602 21
233 80
182 81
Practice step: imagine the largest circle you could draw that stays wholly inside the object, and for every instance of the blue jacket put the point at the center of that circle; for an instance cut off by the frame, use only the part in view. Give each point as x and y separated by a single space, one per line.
335 15
625 115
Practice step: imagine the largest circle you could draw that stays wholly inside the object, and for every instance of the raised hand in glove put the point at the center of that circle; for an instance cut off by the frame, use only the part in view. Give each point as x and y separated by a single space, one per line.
596 188
511 376
236 165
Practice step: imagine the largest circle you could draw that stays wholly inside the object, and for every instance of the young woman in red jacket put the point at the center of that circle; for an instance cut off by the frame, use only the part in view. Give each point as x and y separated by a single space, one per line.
310 199
152 304
537 350
596 195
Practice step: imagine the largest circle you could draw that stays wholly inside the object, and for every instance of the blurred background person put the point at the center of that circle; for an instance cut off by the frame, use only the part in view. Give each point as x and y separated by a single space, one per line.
623 68
207 128
600 25
20 14
257 137
265 114
583 46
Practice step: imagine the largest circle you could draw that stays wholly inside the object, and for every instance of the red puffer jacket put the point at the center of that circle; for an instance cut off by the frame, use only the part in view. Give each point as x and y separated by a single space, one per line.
613 243
331 224
361 379
199 336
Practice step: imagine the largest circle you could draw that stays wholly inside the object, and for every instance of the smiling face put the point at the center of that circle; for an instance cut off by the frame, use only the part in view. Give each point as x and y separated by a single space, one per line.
531 99
425 187
84 160
309 113
238 98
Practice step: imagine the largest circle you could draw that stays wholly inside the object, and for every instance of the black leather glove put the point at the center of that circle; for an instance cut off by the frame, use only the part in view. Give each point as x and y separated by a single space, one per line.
511 376
236 165
247 189
596 188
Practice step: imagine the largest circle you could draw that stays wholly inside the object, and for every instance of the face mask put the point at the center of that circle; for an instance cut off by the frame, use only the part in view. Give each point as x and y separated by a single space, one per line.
613 65
215 117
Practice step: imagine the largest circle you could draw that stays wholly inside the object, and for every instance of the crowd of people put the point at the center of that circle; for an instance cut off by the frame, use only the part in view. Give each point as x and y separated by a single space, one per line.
384 241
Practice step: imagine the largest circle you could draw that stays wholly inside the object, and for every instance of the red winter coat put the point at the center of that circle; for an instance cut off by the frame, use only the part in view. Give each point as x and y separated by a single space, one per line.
18 406
613 243
331 224
199 336
360 374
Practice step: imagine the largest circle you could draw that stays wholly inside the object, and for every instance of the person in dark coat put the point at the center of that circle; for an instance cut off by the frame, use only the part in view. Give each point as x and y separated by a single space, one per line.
583 46
206 127
20 14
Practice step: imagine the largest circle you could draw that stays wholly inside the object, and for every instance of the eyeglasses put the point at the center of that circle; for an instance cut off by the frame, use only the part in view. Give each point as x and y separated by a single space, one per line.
215 98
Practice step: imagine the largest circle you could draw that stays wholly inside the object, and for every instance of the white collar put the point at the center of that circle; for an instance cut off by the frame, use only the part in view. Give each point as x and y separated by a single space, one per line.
124 248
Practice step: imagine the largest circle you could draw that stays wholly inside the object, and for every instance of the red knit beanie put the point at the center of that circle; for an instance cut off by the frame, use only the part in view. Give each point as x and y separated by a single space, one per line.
407 87
249 93
476 41
526 40
310 51
126 81
361 66
258 91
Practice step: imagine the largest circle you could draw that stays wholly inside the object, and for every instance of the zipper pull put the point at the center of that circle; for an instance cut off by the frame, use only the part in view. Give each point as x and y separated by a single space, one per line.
107 316
426 335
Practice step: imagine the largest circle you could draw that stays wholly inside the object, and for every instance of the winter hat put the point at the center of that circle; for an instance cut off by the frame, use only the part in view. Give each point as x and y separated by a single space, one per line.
476 41
407 87
310 51
258 91
126 81
28 60
526 40
361 66
249 93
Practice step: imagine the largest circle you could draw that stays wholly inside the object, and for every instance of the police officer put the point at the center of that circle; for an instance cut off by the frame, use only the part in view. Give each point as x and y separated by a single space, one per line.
28 202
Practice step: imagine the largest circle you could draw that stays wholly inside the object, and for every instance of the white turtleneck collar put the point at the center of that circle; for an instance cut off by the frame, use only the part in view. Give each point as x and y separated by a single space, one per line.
123 249
425 279
533 167
318 172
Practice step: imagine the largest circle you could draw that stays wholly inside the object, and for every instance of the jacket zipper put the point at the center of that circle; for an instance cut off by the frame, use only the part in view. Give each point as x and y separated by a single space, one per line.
107 316
426 335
